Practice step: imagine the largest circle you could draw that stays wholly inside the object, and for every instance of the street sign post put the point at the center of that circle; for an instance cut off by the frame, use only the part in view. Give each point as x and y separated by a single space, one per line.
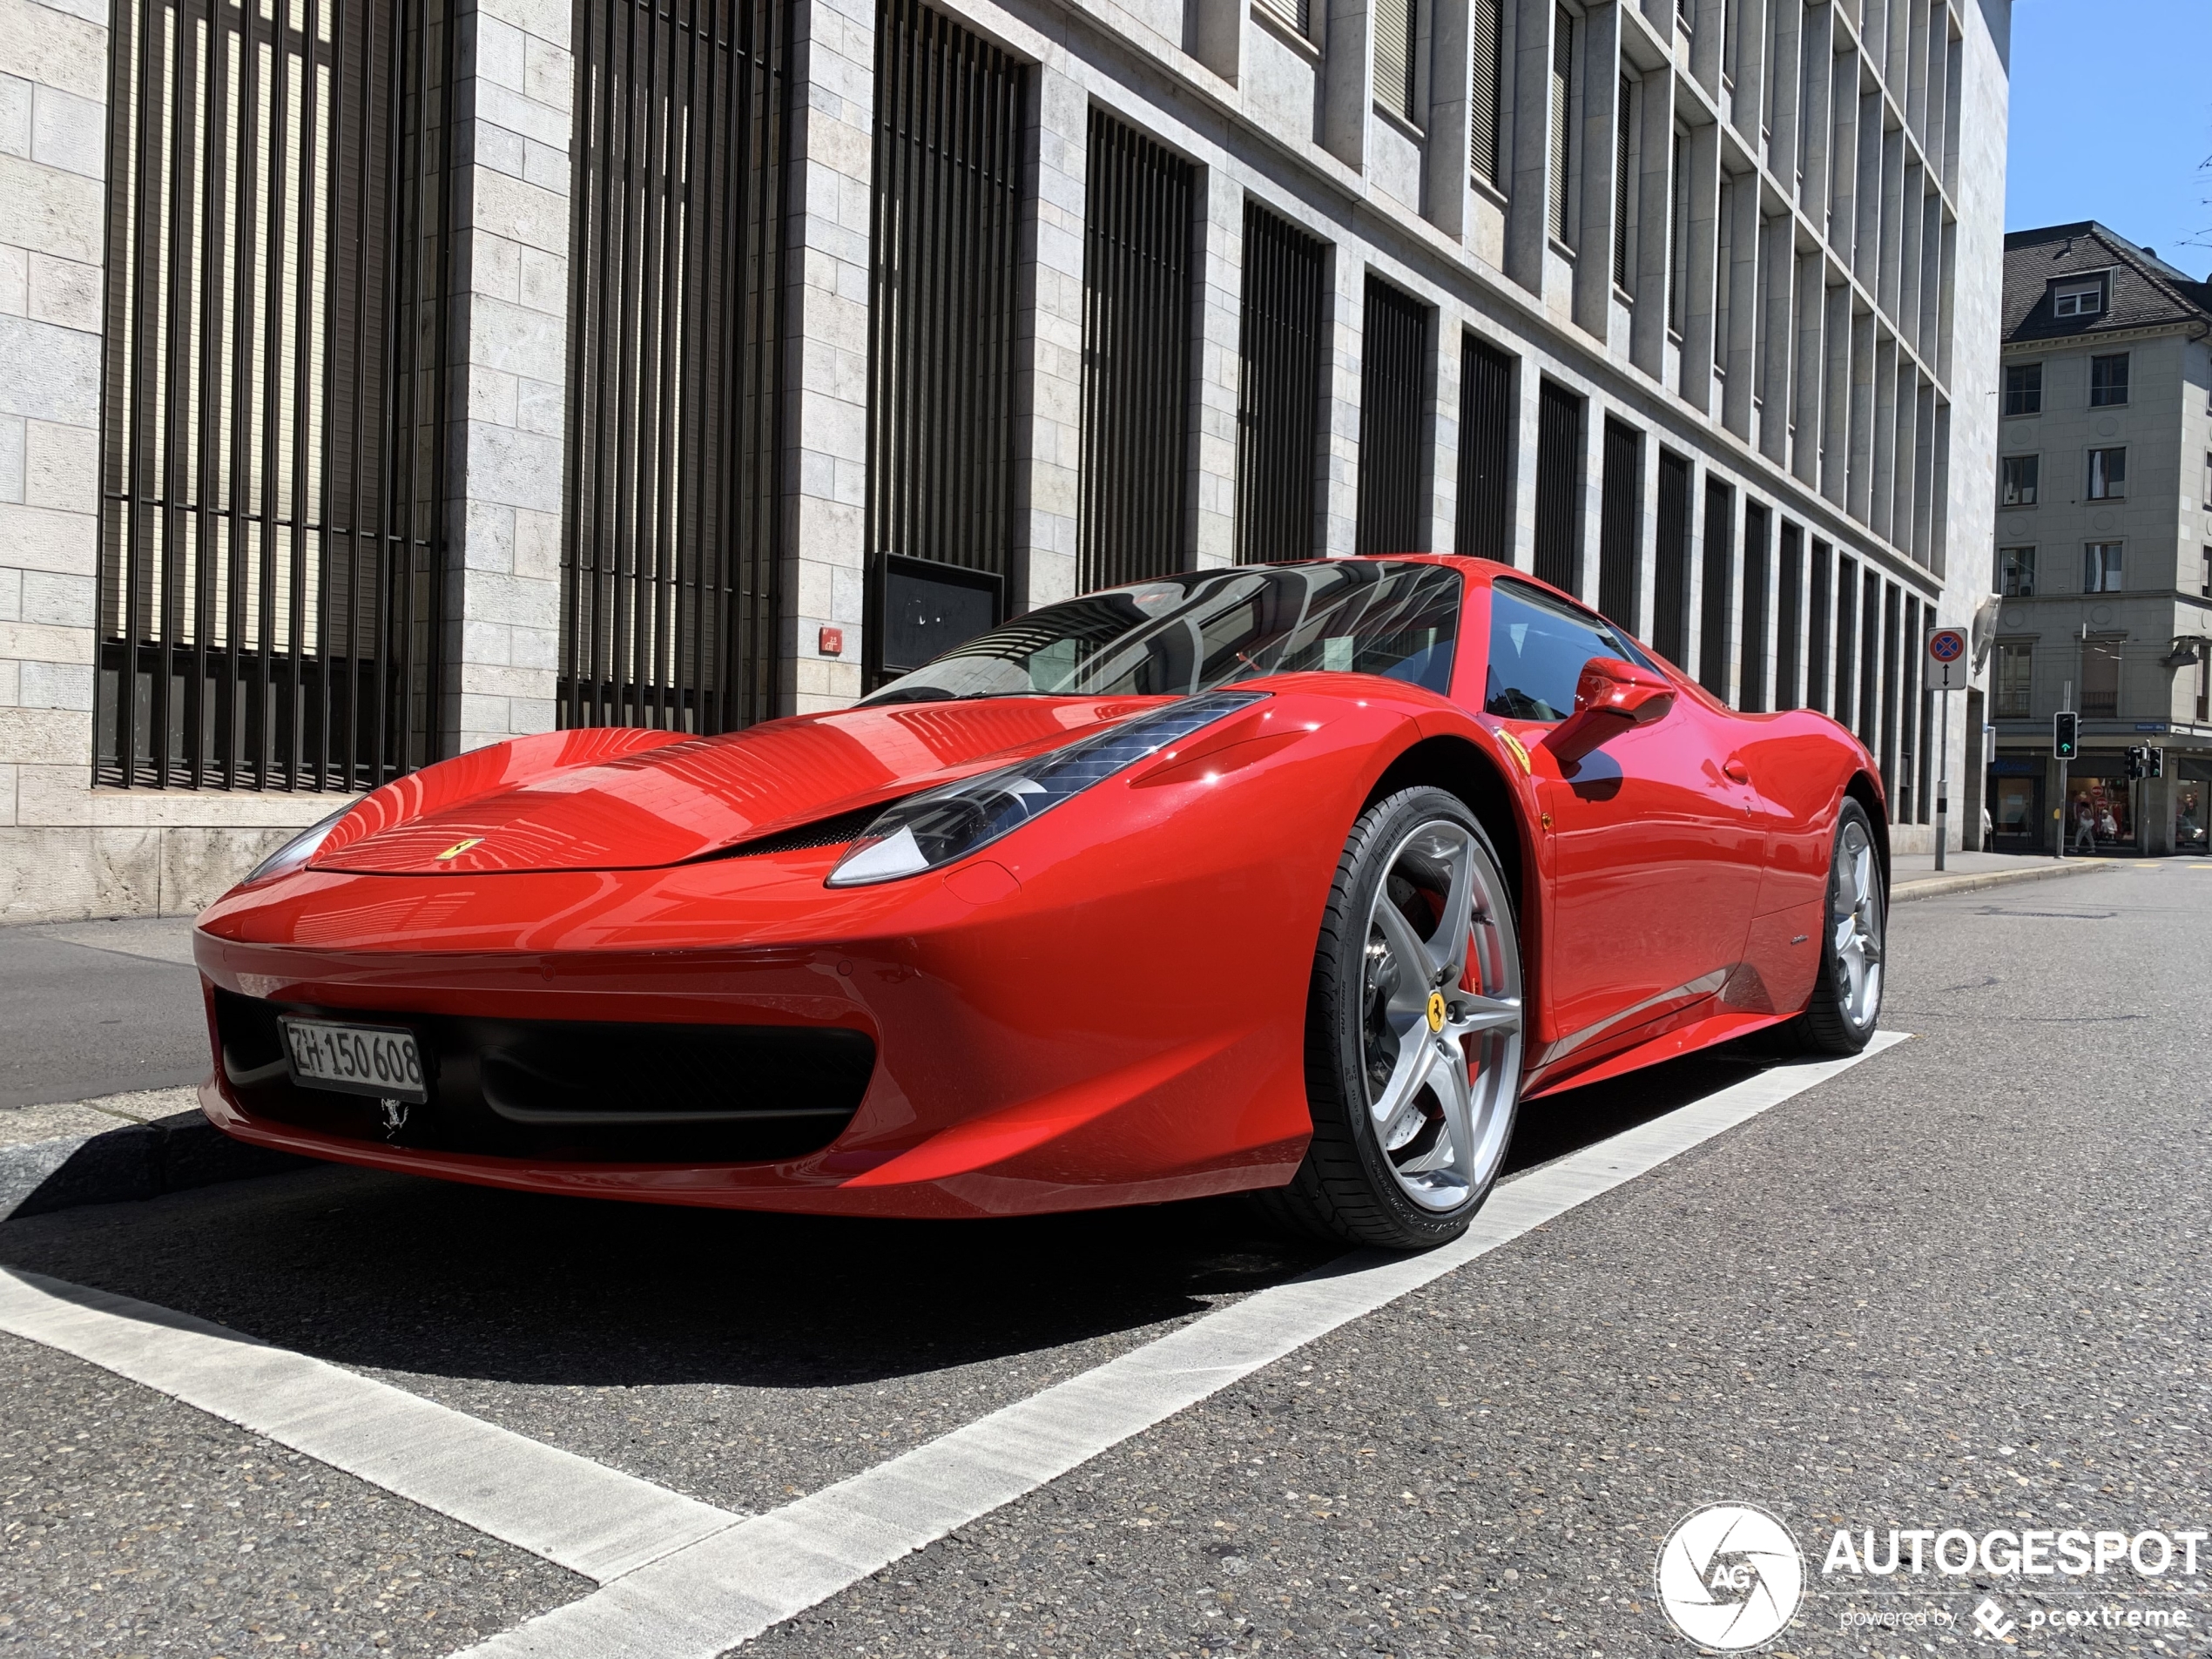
1949 661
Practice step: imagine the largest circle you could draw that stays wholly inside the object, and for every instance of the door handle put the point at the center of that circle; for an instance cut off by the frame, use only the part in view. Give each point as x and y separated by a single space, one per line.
1735 771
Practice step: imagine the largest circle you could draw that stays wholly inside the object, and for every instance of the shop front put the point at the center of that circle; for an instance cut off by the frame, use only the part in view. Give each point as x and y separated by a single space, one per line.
2019 820
2192 796
2099 815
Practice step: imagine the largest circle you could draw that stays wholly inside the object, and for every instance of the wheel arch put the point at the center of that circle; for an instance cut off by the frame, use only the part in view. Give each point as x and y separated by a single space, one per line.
1460 768
1863 789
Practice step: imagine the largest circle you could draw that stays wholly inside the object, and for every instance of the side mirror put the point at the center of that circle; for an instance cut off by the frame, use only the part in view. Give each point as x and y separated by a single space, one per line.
1610 697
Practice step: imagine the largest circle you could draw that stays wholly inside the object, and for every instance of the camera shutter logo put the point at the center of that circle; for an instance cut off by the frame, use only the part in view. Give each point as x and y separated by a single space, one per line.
1730 1577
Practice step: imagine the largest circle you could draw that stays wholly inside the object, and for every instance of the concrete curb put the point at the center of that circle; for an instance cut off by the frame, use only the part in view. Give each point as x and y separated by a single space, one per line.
1935 887
132 1161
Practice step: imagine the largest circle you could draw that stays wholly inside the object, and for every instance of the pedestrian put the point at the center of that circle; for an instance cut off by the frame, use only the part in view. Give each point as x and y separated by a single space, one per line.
2085 825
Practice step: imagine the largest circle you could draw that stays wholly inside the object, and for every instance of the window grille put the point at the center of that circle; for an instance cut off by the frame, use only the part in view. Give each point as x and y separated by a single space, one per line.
1678 244
1789 620
1843 704
1563 100
940 329
271 448
1559 476
1485 527
1751 694
669 603
1394 57
1617 525
1291 14
1817 634
1870 665
1136 358
1278 396
1392 371
1485 93
1671 579
1719 585
1623 137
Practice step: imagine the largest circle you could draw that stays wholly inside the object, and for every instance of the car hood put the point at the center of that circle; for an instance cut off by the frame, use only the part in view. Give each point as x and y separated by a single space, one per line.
691 798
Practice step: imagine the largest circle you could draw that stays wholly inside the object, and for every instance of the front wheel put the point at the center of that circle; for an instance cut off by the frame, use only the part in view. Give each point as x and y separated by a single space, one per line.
1413 1031
1847 997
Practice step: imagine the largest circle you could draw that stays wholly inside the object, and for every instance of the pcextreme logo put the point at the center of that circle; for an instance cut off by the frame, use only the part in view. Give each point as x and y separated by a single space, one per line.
1731 1577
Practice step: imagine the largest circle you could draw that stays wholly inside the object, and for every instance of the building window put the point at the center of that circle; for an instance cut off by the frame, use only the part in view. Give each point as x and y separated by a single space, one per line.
1561 114
2016 572
1559 486
2204 575
271 563
2015 679
2101 679
1291 13
1719 595
1136 358
1280 352
1392 357
2016 476
1485 93
2101 567
1623 136
1670 580
2107 380
1619 523
2024 389
1678 244
1394 21
2077 298
2108 474
948 171
1485 527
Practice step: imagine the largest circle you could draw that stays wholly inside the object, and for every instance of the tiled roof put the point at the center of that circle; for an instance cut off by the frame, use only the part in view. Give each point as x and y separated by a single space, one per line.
2143 291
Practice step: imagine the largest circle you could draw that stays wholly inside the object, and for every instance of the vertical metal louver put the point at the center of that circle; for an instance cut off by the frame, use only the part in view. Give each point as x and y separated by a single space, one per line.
1136 358
941 335
1394 55
1291 13
272 444
1624 137
1484 530
1719 590
1486 90
1617 521
1559 476
1751 676
1843 703
1789 620
1677 241
1817 632
1393 371
1280 352
1870 664
1670 574
1883 721
1562 106
669 614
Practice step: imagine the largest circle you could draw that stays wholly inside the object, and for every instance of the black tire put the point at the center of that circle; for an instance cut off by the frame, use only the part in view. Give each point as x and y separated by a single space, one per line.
1836 1020
1347 1189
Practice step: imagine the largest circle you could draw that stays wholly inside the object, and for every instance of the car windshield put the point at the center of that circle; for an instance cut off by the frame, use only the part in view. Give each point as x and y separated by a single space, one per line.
1180 635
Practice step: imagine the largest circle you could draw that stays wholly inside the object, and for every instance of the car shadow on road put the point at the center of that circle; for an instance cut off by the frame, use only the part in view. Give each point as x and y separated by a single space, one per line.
388 1272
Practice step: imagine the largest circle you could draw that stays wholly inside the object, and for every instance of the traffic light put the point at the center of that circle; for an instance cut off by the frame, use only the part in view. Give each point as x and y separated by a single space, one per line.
2157 761
2138 763
2066 729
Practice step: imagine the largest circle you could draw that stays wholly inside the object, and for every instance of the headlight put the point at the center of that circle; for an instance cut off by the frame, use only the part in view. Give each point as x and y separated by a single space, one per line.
926 831
297 851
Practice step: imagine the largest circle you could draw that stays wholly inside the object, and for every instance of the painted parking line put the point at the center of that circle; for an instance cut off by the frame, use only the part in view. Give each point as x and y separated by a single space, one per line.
701 1601
576 1514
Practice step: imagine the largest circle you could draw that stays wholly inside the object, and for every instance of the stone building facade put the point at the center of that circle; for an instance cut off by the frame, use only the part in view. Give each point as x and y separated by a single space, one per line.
2104 545
383 378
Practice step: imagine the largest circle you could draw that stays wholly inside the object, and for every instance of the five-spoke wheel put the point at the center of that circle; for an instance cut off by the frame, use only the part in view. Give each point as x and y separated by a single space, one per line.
1847 997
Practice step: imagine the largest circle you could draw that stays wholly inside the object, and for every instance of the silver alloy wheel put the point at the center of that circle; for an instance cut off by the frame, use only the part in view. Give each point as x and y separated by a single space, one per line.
1855 925
1441 1011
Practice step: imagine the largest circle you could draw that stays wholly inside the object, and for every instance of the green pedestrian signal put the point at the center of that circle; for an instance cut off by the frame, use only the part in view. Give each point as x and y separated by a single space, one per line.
2066 732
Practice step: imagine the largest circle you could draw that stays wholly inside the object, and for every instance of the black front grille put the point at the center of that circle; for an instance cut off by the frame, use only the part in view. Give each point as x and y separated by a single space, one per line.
583 1090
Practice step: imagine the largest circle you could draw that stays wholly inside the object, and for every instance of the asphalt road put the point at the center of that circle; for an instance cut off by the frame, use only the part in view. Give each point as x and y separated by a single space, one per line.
91 1008
1961 1284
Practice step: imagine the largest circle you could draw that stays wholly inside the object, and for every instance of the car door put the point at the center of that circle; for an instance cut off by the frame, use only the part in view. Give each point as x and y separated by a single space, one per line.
1654 846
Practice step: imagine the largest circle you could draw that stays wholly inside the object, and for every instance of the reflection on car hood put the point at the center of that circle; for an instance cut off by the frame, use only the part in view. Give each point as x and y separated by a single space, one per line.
694 797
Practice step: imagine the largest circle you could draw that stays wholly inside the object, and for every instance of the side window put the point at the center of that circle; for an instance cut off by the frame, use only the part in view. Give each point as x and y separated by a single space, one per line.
1538 647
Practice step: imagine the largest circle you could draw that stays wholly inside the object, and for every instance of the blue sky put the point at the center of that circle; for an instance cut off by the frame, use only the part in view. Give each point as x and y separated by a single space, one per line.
2111 115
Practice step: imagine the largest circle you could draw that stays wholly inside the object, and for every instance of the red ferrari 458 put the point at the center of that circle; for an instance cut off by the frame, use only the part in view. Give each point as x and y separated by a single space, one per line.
1295 878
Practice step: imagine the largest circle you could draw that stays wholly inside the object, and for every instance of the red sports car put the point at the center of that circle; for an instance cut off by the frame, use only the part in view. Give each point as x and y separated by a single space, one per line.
1291 878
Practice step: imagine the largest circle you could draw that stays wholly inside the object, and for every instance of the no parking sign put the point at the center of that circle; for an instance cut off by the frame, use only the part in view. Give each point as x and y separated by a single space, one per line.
1947 655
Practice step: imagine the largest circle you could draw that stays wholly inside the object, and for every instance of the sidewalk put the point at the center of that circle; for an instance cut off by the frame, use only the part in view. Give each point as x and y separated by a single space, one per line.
1912 875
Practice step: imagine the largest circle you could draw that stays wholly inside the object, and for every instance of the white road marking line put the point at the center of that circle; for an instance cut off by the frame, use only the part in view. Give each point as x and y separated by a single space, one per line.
574 1513
706 1598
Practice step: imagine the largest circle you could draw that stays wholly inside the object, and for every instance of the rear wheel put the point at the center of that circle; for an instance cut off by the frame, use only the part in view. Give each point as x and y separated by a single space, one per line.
1847 998
1413 1031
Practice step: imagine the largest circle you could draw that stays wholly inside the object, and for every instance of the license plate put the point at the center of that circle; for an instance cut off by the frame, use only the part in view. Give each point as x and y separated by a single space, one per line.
379 1060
